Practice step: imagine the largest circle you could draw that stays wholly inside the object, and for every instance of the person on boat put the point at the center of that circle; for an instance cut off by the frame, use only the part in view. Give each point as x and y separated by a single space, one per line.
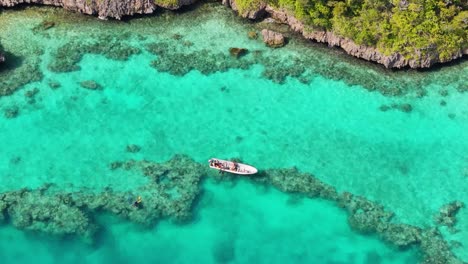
234 166
138 201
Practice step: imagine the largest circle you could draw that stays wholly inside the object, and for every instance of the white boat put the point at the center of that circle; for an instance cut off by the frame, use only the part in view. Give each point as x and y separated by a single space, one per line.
231 167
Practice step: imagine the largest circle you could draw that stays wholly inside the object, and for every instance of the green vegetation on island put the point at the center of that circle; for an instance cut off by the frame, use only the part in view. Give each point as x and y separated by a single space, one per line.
412 28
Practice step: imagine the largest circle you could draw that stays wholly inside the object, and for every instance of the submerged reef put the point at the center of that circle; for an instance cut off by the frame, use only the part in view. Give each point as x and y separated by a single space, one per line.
90 85
170 193
364 216
53 214
112 47
17 70
172 190
174 58
205 61
447 214
14 74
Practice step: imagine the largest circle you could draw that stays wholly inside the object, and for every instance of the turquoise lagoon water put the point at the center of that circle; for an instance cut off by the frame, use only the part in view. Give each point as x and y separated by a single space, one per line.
264 228
412 163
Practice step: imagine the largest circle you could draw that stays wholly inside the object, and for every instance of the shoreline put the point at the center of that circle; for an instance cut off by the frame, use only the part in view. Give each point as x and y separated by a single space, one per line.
118 10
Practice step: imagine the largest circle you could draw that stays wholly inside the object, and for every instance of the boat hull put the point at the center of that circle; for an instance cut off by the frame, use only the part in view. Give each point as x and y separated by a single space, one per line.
232 167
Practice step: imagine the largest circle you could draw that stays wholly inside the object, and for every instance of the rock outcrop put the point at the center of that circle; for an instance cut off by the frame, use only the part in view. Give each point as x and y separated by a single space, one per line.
273 39
106 8
238 52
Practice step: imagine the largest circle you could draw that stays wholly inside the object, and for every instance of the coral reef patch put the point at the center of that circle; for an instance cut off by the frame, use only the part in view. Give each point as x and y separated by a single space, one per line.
364 216
172 190
447 214
11 112
170 193
90 85
14 73
111 46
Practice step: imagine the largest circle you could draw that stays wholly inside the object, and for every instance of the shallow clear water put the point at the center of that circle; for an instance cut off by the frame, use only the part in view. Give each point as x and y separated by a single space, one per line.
268 227
412 163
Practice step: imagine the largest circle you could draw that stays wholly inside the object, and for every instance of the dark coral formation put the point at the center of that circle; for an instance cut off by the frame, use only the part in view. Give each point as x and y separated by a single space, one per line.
170 193
177 60
447 214
54 85
207 62
12 76
435 249
172 190
39 211
44 25
112 47
90 85
31 93
132 148
291 181
181 63
19 69
237 52
364 215
11 112
406 108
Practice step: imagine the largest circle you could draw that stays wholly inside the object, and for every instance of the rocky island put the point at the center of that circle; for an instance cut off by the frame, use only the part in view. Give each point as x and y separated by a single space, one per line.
396 34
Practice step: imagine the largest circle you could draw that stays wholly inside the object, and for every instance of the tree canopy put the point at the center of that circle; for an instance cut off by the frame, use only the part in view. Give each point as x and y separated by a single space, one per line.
409 27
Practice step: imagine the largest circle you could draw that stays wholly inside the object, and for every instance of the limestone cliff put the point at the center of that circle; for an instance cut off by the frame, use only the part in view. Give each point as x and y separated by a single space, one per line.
395 60
106 8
